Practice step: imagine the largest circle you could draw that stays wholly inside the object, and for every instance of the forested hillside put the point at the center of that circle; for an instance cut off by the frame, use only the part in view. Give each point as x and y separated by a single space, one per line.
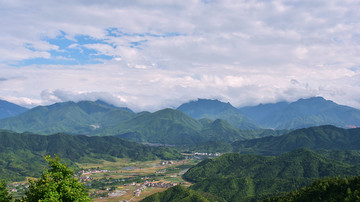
181 194
21 153
238 177
83 117
315 138
329 189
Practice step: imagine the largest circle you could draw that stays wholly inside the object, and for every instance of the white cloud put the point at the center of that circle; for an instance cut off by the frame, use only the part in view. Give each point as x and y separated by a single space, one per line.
245 52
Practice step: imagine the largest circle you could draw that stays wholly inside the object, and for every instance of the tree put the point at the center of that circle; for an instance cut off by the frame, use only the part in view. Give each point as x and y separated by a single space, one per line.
56 184
4 193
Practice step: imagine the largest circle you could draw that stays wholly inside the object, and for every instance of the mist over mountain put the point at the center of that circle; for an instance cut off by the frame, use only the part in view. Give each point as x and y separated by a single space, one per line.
303 113
8 109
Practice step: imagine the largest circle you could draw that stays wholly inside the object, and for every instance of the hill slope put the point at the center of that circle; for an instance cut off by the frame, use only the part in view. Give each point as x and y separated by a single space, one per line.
165 126
78 118
214 109
180 194
331 189
314 138
238 177
303 113
8 109
21 153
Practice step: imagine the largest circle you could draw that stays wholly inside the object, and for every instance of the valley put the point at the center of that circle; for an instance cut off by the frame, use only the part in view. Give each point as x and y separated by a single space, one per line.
124 179
204 150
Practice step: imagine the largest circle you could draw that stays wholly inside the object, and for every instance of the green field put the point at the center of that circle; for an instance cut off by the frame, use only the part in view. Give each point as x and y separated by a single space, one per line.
114 181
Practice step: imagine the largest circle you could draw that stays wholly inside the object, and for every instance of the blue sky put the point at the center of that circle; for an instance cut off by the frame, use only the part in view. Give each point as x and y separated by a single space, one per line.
148 55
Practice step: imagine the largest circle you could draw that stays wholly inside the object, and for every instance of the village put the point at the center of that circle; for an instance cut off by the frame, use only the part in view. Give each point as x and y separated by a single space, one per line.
134 180
124 180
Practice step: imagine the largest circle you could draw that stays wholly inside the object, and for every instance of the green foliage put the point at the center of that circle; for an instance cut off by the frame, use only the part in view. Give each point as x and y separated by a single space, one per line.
330 189
314 138
4 193
56 184
239 177
180 194
214 109
166 126
20 153
221 130
350 157
70 117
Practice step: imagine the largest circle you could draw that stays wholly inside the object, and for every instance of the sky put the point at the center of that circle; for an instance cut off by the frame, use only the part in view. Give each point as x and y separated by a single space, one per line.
152 54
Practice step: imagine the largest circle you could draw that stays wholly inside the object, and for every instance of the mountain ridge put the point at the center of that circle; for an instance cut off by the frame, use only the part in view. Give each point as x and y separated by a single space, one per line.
8 109
315 138
21 153
246 177
303 113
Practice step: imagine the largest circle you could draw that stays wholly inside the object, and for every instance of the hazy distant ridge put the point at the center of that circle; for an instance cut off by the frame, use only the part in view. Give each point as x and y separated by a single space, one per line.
8 109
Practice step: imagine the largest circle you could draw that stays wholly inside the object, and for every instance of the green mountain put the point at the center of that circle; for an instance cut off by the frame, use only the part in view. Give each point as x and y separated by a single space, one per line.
221 130
21 153
330 189
214 109
180 194
315 138
303 113
174 127
8 109
84 117
113 106
347 156
167 126
241 177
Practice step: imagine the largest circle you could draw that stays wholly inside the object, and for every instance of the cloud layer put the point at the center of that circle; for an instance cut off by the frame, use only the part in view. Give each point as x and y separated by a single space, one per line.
153 54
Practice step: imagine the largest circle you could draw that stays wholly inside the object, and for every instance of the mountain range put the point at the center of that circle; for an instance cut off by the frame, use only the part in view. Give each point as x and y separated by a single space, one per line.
303 113
191 123
8 109
167 126
77 118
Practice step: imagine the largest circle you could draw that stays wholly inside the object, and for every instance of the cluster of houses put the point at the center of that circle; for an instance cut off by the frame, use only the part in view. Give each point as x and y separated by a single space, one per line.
206 154
85 178
159 184
143 186
137 192
167 163
18 187
91 171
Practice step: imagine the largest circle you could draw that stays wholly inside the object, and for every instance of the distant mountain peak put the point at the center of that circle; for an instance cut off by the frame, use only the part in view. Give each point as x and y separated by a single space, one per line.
102 102
313 111
8 109
316 99
204 106
215 109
